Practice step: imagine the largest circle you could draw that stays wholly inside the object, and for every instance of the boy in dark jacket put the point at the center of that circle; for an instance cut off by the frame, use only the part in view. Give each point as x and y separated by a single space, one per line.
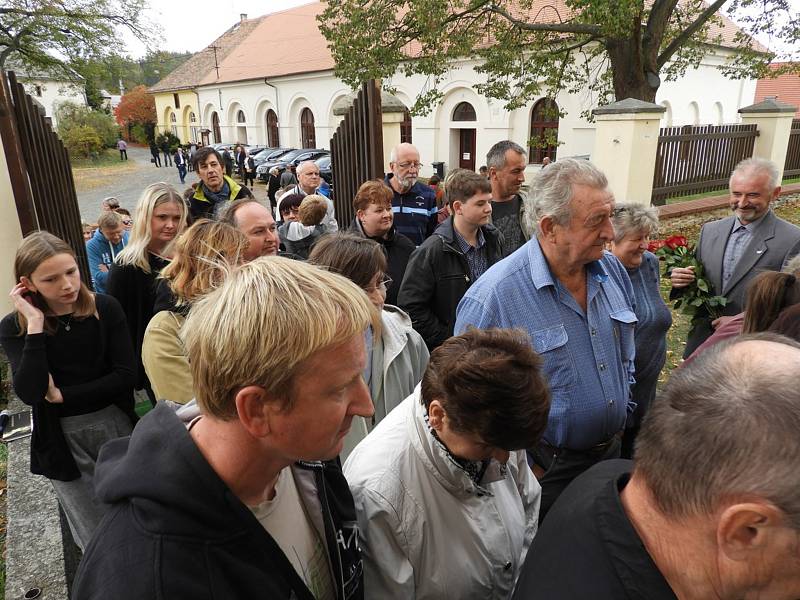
461 249
240 495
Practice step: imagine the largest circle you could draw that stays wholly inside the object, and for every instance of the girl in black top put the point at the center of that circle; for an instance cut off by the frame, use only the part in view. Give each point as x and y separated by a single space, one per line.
159 218
71 361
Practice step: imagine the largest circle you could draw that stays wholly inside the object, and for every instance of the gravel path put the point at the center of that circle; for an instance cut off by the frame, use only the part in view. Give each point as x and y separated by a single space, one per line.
128 185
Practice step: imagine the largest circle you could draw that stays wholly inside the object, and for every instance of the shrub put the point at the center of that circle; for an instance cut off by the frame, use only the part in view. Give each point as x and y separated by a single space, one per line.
139 133
82 140
171 139
70 115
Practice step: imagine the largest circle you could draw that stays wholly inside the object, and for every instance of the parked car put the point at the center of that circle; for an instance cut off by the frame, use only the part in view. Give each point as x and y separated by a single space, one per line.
325 170
294 157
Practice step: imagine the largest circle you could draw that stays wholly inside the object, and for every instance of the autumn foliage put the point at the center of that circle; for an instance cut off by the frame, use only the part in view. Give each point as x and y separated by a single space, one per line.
137 107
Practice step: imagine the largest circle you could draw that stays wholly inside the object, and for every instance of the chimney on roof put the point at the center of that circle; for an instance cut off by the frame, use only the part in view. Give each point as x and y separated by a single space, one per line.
243 16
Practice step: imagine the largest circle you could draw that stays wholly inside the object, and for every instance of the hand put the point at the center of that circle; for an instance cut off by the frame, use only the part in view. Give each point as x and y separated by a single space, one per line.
103 268
20 296
53 394
681 276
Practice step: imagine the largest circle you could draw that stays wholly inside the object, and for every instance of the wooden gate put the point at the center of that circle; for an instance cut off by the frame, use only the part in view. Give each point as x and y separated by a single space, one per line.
357 149
699 158
792 165
41 176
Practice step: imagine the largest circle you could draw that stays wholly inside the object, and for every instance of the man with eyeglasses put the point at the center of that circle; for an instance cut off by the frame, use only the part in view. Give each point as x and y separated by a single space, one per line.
414 204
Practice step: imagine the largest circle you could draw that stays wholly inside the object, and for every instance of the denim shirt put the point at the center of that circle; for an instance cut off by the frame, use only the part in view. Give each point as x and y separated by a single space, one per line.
588 357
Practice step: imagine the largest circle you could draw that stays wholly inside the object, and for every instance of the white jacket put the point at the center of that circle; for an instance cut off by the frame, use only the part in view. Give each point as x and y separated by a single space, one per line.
428 531
399 358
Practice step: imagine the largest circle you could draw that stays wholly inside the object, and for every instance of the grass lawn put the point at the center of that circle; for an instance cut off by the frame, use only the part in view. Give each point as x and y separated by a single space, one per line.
89 174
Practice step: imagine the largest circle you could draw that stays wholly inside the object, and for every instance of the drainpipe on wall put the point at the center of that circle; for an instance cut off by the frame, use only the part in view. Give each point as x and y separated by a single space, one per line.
277 108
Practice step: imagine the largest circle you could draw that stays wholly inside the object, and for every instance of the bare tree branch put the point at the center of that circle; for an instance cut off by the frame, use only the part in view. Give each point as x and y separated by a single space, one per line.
687 33
579 28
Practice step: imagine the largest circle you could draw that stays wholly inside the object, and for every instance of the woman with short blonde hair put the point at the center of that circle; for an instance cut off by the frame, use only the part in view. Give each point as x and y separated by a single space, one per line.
160 217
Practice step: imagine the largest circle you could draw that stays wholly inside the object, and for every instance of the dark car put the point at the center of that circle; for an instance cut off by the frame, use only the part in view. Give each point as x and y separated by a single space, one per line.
325 171
294 157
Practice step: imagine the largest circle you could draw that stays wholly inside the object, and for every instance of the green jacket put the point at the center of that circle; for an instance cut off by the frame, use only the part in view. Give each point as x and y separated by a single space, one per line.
201 207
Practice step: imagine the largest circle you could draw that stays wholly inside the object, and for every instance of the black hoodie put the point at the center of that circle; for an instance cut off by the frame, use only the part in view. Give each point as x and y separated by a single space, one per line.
175 530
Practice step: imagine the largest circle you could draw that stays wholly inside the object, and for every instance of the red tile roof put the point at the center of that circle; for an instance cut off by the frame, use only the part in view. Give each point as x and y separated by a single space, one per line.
786 87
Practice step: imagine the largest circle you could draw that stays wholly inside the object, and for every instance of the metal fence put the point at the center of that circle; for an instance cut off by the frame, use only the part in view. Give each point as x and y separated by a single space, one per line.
699 158
357 149
792 165
41 176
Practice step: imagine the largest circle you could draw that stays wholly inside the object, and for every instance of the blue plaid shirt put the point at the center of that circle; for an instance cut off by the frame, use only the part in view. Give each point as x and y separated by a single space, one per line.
476 255
588 357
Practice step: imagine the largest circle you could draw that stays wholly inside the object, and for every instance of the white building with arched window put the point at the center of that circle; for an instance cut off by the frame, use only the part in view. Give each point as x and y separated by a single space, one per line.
275 86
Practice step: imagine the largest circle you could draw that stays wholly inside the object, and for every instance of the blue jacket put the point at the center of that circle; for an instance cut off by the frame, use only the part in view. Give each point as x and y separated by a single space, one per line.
415 211
100 251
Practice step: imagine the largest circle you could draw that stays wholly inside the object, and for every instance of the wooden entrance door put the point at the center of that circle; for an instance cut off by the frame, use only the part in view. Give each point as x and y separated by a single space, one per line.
466 149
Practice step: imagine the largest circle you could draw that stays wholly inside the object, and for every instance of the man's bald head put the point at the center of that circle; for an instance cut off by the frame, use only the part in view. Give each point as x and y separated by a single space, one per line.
726 427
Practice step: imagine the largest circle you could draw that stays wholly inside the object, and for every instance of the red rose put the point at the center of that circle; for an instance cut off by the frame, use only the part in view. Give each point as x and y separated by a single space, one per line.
656 245
675 241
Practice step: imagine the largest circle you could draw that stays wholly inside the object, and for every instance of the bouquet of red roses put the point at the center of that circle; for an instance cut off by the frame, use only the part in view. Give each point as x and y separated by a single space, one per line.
696 299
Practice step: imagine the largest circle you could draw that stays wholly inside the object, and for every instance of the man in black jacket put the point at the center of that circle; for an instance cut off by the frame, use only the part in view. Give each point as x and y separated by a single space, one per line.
215 189
240 495
374 220
461 249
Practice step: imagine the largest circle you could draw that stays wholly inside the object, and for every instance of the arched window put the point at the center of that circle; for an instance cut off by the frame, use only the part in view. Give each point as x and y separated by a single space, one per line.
215 127
192 118
718 115
544 130
273 136
240 117
666 120
464 112
308 137
694 113
405 127
173 121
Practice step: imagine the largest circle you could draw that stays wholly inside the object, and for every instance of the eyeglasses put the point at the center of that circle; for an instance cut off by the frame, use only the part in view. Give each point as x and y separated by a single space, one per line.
383 285
408 165
127 222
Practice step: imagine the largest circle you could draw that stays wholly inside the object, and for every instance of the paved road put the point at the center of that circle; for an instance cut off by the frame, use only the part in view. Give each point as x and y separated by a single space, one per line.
128 186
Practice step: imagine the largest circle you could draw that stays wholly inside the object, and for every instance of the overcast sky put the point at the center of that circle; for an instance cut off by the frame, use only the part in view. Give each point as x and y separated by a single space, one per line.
193 26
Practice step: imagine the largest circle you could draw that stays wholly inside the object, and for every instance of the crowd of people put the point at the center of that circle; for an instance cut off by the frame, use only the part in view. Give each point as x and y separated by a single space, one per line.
456 397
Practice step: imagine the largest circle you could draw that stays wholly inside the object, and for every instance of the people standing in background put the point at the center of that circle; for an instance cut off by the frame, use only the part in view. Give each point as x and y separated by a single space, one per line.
249 169
73 363
122 146
239 157
165 151
634 225
180 163
160 217
108 241
156 159
227 162
192 150
288 177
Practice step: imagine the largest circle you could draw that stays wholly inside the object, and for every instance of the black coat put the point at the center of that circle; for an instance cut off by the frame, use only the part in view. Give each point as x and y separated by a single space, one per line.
174 529
398 249
436 279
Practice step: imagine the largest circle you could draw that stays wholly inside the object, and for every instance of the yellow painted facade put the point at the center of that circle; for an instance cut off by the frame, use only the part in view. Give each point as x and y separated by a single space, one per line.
183 120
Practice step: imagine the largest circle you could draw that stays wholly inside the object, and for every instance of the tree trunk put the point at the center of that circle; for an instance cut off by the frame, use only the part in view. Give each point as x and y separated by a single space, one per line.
628 72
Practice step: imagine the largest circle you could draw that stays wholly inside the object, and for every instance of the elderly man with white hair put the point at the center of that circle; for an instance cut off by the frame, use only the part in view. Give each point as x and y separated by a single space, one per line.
414 204
576 302
308 183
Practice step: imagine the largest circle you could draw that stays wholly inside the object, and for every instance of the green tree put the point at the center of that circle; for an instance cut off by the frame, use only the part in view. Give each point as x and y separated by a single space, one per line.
71 116
51 33
82 141
618 48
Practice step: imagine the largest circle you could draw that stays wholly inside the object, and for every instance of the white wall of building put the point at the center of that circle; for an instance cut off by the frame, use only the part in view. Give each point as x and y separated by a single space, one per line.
704 90
49 94
703 96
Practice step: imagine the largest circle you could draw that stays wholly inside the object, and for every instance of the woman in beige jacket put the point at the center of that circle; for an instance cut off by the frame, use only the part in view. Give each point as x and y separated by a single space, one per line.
203 254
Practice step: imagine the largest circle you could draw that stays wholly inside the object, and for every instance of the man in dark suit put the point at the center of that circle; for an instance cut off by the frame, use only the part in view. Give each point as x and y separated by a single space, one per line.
735 249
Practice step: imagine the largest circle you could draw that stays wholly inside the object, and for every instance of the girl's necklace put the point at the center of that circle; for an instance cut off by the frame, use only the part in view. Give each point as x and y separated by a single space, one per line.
68 324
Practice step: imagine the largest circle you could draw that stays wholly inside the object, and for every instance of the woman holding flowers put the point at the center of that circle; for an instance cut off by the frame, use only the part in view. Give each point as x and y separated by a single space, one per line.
634 224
